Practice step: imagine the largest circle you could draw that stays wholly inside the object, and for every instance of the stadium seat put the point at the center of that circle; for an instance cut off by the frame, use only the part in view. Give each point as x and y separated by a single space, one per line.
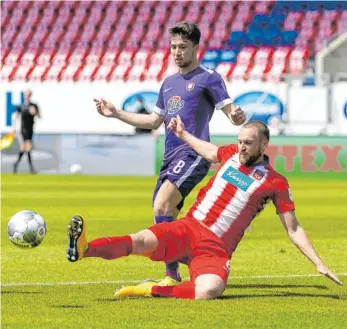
58 63
293 20
123 64
140 64
6 71
297 60
275 73
156 64
261 62
42 64
225 69
9 34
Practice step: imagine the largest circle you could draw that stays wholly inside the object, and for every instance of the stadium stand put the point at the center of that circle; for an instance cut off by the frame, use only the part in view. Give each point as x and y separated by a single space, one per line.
102 40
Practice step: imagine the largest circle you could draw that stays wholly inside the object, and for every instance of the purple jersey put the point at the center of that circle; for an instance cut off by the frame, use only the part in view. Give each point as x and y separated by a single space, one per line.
192 96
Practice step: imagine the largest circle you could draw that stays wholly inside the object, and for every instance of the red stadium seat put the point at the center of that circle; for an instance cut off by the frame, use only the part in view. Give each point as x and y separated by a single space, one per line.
244 63
225 69
170 69
6 71
342 23
88 69
262 63
42 64
157 63
68 73
124 63
246 55
140 64
9 34
240 72
58 63
275 72
108 63
292 20
263 7
297 60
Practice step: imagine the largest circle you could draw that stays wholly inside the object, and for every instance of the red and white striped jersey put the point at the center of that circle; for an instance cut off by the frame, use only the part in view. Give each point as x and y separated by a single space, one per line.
238 193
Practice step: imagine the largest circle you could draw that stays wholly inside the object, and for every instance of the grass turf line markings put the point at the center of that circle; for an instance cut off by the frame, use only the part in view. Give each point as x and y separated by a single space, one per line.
71 283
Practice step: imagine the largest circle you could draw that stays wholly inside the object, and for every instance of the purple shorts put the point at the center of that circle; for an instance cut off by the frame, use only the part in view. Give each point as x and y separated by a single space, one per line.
185 169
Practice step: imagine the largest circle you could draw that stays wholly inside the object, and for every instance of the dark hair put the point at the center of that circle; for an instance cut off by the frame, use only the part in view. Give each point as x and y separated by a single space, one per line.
188 30
261 127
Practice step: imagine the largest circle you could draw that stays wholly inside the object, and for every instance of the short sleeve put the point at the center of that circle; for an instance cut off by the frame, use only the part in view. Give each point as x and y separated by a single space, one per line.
36 107
160 105
282 197
217 90
226 152
19 109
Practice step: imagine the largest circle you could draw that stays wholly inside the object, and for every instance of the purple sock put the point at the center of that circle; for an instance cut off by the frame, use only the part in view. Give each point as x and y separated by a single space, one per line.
172 271
163 219
171 268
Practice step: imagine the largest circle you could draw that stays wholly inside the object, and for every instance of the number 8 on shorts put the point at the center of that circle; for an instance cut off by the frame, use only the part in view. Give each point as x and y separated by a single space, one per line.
177 169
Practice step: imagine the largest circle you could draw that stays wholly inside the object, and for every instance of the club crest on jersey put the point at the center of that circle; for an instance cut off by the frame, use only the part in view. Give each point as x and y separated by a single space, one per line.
258 174
174 104
290 195
227 266
237 178
190 86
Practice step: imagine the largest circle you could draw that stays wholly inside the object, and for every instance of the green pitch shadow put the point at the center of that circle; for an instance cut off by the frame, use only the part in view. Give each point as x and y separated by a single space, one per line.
274 286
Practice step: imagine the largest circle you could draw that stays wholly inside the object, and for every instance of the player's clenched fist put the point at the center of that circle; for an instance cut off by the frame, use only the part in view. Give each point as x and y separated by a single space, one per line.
238 116
106 108
177 126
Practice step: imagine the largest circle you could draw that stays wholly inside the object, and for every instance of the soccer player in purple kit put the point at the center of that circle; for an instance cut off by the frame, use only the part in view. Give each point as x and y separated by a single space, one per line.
193 93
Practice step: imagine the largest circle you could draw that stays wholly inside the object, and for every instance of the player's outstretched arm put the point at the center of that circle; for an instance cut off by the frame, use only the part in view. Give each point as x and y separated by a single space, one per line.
145 121
299 237
236 115
205 149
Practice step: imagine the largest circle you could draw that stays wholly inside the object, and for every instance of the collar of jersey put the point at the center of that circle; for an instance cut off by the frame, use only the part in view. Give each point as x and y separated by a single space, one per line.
190 72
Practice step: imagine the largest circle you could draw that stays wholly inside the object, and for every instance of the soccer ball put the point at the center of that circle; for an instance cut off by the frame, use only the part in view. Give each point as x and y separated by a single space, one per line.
76 168
26 229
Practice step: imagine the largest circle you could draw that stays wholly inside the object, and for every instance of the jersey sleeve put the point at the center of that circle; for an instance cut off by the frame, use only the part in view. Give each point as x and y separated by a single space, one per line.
226 152
217 90
36 107
282 197
160 105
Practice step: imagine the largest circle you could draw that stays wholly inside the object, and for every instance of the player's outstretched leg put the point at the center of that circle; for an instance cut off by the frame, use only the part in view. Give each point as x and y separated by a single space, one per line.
141 243
77 238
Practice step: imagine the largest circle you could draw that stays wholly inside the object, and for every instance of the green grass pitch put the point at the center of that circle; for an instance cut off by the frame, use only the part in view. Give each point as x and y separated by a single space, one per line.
271 284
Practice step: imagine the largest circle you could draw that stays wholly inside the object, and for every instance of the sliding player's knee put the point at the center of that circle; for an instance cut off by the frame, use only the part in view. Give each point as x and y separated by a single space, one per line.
208 291
209 286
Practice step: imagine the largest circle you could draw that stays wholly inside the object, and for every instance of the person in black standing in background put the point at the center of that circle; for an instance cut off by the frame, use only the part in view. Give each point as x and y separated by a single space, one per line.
27 111
142 109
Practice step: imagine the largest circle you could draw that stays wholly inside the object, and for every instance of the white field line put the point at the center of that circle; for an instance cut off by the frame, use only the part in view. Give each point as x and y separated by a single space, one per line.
71 283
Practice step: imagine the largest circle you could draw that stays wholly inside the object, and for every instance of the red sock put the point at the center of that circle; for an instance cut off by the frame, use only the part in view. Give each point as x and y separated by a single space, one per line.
110 247
184 290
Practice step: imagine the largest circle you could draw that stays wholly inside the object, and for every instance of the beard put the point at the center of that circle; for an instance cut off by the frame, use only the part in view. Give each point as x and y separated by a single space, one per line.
184 64
249 160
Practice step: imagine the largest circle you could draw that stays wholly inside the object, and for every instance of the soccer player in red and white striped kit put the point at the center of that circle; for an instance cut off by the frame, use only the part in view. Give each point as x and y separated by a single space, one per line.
209 233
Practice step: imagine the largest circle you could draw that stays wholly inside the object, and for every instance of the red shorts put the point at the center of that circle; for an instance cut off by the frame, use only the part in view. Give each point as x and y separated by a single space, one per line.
188 241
